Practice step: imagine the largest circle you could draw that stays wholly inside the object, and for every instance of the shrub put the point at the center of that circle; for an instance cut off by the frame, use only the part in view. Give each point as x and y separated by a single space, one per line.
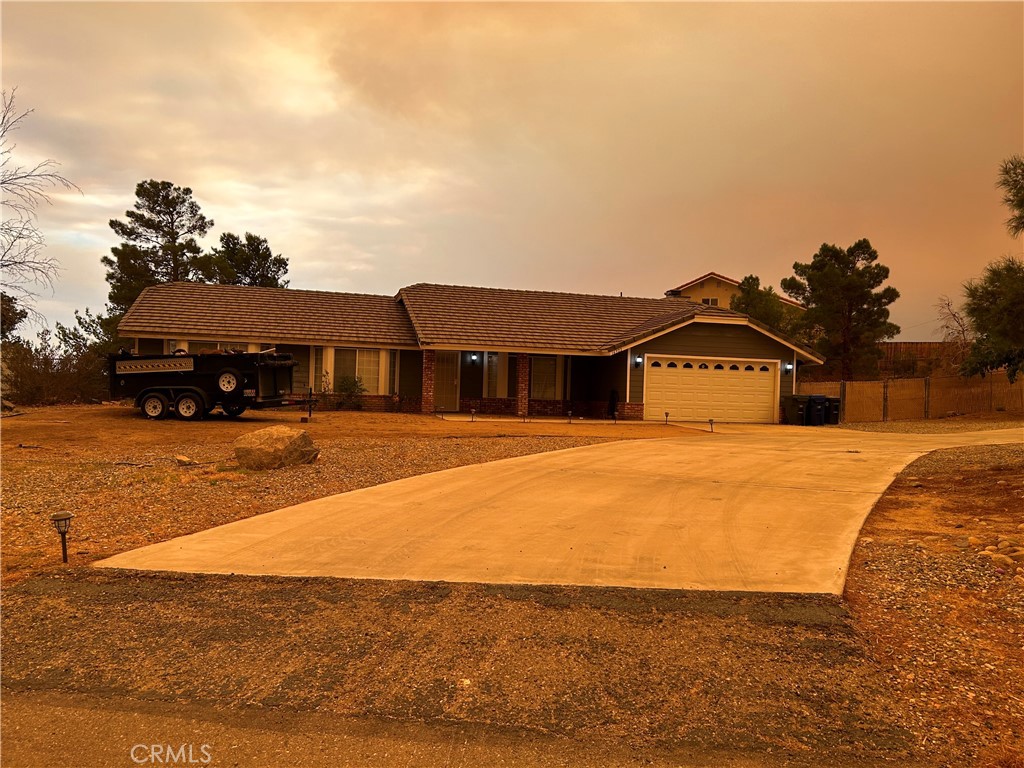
348 390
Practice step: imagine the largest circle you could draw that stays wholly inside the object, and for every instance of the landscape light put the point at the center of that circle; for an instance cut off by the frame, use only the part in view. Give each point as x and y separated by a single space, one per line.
62 522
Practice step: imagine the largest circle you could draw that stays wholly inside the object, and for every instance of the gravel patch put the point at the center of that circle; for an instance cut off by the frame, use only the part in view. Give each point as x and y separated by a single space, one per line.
944 620
943 426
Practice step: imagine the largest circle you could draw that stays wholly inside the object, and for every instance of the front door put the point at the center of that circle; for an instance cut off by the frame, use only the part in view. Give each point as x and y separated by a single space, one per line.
446 381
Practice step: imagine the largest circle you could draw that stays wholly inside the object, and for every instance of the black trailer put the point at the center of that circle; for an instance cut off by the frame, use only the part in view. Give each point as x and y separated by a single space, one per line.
193 385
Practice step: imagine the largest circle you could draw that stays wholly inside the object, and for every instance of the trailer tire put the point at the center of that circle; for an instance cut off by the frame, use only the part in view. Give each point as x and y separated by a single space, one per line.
189 407
233 411
228 381
154 406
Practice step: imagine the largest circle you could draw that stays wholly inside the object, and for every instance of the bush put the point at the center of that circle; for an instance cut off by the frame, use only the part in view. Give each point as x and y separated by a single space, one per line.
348 391
47 373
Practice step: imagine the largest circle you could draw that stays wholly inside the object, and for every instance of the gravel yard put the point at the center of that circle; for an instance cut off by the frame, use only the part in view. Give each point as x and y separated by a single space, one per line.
941 426
919 664
117 472
945 622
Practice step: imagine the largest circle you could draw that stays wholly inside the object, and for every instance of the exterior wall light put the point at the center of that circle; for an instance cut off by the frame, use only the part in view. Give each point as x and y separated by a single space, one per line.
62 522
789 367
473 357
637 361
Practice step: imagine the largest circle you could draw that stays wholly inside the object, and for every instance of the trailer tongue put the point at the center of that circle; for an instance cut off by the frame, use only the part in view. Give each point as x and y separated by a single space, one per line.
193 385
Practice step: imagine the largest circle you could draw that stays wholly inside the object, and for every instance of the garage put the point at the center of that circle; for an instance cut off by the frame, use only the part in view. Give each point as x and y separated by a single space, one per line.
702 388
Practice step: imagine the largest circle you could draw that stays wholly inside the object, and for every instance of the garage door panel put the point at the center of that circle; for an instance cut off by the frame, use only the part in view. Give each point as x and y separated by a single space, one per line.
734 391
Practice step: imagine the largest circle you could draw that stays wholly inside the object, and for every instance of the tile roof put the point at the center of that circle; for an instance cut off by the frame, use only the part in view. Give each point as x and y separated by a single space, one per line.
424 315
226 312
500 318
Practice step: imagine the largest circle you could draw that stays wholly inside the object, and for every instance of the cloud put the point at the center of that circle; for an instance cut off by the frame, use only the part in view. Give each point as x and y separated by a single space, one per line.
591 147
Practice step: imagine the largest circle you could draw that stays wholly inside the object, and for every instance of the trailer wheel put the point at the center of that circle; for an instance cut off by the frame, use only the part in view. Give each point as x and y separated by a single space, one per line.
154 406
233 411
228 380
189 407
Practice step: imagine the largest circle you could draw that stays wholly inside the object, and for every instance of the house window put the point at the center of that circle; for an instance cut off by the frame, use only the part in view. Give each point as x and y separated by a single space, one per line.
542 378
318 370
368 369
655 364
672 365
710 302
365 365
687 365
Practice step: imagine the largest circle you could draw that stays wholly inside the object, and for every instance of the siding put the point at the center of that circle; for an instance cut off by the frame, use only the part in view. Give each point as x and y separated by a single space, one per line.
713 340
151 346
410 373
300 375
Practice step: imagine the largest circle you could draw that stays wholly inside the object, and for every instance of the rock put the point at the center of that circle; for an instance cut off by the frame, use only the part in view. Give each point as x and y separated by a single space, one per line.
917 485
1019 579
7 406
185 461
1004 544
1021 527
991 548
974 541
1003 560
866 540
932 538
275 447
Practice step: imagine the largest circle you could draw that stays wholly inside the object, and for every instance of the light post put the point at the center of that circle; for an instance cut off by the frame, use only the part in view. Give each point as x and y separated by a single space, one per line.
62 521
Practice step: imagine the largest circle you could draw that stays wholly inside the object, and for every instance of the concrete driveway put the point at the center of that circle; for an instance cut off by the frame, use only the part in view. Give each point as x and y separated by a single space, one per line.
750 508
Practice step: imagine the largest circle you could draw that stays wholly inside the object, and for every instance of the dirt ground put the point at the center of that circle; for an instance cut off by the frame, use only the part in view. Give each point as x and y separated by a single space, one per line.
920 664
117 471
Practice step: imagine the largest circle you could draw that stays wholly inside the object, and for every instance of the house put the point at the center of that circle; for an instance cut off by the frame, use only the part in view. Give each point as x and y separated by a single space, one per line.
716 290
445 348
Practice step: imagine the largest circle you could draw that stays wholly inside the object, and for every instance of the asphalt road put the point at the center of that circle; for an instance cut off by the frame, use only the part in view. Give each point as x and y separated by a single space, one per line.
754 508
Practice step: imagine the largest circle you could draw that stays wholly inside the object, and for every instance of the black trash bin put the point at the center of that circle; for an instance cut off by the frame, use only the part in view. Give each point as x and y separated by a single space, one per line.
794 409
815 414
832 410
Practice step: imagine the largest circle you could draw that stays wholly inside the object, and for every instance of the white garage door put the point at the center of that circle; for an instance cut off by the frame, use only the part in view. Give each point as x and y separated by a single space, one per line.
698 389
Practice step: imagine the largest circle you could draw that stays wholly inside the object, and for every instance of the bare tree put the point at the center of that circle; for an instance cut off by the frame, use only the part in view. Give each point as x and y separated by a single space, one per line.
24 267
956 330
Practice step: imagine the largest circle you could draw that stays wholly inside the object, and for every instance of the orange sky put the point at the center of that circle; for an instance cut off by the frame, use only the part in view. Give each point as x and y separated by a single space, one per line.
595 148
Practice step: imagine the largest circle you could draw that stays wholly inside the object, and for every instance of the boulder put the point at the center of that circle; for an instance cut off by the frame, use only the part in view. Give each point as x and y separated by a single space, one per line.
275 447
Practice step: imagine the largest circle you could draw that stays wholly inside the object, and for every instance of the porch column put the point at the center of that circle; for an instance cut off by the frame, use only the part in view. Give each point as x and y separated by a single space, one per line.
522 384
427 397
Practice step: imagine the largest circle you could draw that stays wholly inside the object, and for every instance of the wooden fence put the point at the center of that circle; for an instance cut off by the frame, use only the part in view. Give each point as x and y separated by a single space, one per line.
928 398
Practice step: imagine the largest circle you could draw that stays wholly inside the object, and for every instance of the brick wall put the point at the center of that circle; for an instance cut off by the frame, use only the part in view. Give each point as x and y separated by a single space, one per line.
427 401
504 406
631 411
522 384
